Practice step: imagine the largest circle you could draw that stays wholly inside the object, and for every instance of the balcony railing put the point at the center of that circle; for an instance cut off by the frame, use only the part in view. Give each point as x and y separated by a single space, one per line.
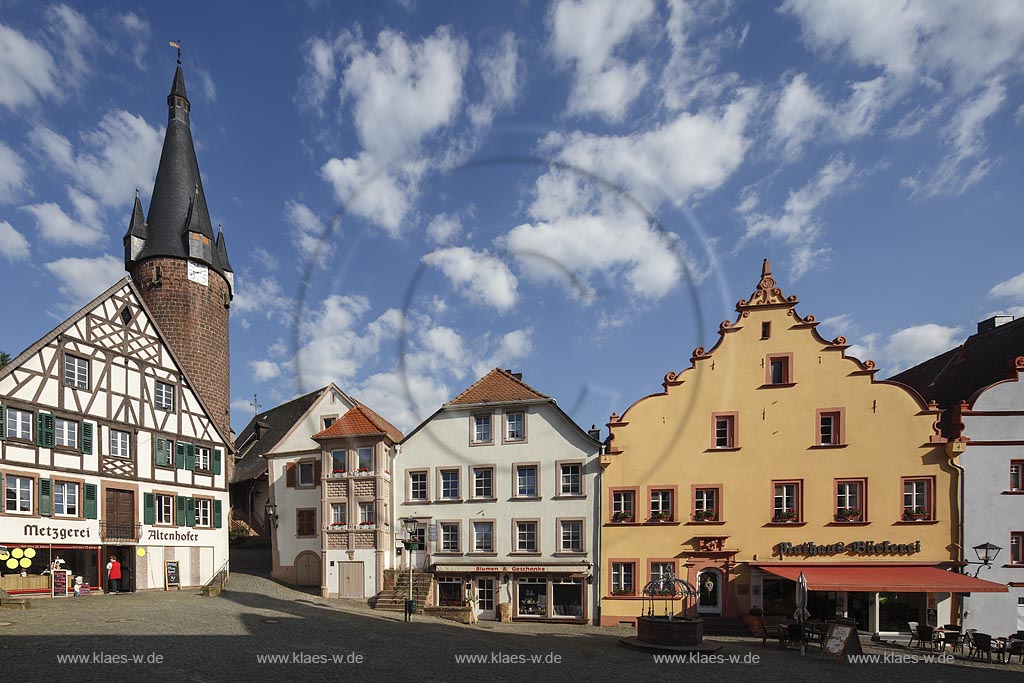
120 532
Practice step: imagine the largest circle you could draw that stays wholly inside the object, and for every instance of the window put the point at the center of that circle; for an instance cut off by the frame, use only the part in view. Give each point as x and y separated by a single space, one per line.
622 578
164 396
365 456
1017 475
483 537
18 495
533 597
662 570
526 481
307 474
482 429
515 426
305 522
119 445
328 421
366 517
725 431
202 458
917 499
526 537
622 506
449 484
65 499
786 503
1017 548
338 516
76 371
65 432
449 537
830 427
571 480
203 518
778 370
417 486
164 509
483 482
450 592
705 505
849 501
571 536
766 330
338 464
661 506
19 424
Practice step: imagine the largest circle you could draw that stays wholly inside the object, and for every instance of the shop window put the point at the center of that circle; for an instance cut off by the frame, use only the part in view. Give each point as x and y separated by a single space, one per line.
533 597
449 484
917 500
567 598
570 534
483 537
417 485
365 459
1017 475
786 502
526 481
622 506
623 574
65 499
449 537
850 499
661 506
1017 547
706 505
724 431
526 537
450 592
483 482
481 425
570 479
515 426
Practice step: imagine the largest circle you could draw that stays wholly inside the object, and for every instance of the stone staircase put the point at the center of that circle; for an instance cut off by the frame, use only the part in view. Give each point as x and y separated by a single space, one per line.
396 590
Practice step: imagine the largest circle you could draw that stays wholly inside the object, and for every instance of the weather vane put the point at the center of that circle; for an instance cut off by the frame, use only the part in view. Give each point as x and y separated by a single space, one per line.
176 44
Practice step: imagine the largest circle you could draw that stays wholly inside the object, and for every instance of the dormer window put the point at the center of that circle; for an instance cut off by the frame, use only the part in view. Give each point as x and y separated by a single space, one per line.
200 247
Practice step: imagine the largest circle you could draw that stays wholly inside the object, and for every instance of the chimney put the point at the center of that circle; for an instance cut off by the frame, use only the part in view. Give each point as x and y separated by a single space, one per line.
594 433
517 375
993 322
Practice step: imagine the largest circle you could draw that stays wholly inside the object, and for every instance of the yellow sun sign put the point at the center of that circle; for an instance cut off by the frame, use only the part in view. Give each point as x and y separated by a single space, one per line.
30 552
17 553
12 563
26 563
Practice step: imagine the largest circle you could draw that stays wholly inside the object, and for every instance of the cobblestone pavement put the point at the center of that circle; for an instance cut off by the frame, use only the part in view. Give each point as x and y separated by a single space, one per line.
223 639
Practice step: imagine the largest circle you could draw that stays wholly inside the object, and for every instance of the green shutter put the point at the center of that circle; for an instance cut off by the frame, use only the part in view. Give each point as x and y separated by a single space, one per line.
190 457
216 460
44 430
190 512
87 438
90 501
179 504
179 452
163 452
45 497
3 422
148 508
216 514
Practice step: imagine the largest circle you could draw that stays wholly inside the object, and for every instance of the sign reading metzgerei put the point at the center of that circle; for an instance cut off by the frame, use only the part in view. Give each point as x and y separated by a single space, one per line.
810 548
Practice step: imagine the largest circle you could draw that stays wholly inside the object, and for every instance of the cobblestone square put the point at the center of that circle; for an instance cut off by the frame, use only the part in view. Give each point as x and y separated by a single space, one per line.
183 636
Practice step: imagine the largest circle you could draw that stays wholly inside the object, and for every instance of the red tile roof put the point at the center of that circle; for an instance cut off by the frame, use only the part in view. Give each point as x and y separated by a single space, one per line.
360 421
497 386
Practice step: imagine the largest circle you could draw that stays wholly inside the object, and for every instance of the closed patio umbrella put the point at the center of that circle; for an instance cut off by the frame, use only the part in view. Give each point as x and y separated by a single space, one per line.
801 614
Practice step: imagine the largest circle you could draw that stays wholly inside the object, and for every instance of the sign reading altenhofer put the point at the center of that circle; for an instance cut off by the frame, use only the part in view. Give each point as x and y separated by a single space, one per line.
810 548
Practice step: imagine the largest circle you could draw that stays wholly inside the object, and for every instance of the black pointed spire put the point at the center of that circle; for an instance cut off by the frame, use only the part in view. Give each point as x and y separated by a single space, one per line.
178 86
222 251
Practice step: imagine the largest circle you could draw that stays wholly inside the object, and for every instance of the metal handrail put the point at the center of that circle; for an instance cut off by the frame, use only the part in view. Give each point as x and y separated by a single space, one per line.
222 574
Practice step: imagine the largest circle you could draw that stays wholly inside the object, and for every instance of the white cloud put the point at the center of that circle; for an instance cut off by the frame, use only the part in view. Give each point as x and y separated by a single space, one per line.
77 37
1014 287
912 345
379 194
56 226
309 234
137 31
697 41
262 370
13 245
12 174
207 88
587 33
27 71
268 260
479 276
512 346
798 224
84 278
264 296
405 398
444 228
501 71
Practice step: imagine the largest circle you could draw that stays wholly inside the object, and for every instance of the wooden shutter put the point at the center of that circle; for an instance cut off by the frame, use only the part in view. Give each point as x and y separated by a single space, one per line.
317 473
179 452
190 512
45 497
190 458
163 452
289 475
44 430
86 439
216 514
90 501
179 504
148 508
217 454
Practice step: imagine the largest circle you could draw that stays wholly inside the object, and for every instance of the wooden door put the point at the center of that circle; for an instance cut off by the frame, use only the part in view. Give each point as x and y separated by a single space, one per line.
307 570
350 577
119 514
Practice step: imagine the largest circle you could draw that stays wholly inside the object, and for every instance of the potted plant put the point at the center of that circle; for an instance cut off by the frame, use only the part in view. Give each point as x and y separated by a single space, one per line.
663 516
622 517
785 516
622 591
848 515
916 513
705 516
363 471
337 473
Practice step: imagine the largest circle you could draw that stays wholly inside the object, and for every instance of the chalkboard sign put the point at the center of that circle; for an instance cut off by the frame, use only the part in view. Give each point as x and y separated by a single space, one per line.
60 584
85 590
842 640
172 577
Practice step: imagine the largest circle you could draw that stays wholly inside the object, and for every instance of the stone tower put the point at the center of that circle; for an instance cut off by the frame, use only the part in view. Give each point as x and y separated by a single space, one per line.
179 266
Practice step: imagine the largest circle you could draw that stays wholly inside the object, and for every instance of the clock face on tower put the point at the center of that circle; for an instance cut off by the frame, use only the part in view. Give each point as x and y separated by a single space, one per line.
198 273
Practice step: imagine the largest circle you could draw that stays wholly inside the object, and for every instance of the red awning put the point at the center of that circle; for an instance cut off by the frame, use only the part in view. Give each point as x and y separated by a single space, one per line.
884 579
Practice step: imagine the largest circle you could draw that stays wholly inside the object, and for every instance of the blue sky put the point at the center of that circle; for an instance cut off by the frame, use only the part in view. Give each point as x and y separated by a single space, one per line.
414 192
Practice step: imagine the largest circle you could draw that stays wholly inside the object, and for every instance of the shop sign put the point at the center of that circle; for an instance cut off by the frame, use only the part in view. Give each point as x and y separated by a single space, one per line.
522 569
160 535
811 549
55 533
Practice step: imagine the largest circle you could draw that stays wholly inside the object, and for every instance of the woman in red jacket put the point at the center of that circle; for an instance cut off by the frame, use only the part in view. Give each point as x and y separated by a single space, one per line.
114 574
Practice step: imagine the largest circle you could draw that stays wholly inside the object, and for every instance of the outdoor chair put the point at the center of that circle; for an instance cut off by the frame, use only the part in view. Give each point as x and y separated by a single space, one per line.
969 639
926 637
954 640
982 644
795 634
1015 646
951 627
914 635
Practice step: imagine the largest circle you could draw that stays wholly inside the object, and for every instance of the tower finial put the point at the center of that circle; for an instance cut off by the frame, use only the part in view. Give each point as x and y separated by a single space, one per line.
766 269
176 44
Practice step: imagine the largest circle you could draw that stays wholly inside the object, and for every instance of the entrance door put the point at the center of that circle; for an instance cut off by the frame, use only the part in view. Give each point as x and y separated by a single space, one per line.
1020 614
350 580
119 515
485 599
307 570
419 556
709 591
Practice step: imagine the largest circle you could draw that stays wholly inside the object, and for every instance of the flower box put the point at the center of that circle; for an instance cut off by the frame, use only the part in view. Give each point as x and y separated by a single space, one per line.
622 517
620 591
785 516
661 516
337 473
848 515
705 516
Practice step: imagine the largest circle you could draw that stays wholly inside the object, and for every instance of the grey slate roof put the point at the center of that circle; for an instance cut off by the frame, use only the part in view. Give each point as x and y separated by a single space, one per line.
274 424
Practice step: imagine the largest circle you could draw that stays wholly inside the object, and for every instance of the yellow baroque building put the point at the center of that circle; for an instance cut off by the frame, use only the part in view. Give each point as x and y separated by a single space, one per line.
775 453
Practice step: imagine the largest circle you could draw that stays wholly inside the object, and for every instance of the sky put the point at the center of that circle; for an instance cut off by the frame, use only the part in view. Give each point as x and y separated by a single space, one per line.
413 193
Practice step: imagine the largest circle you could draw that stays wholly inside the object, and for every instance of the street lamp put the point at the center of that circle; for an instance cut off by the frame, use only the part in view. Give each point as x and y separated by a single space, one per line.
410 524
987 554
270 508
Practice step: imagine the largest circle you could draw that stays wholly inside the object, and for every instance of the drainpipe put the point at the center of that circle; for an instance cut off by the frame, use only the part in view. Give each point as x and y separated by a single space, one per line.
953 449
